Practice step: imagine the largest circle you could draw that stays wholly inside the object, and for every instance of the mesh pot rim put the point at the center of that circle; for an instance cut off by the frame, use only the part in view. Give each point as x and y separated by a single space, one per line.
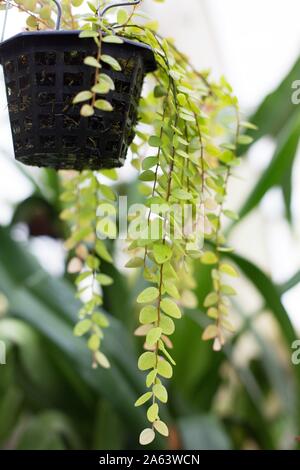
43 71
31 37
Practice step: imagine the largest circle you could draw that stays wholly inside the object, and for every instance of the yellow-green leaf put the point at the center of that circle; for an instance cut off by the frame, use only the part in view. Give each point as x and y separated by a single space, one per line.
101 88
209 258
228 326
148 295
170 308
181 194
160 392
104 280
135 262
94 342
88 33
31 22
45 12
87 110
231 214
143 398
210 299
161 427
210 332
154 141
153 336
146 360
92 62
212 312
104 105
164 369
111 61
106 78
228 290
228 269
148 314
162 252
82 327
167 325
102 359
100 320
152 412
113 39
151 377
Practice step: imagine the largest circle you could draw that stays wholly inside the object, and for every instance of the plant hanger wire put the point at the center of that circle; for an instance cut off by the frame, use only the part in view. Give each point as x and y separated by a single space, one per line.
115 5
5 20
59 12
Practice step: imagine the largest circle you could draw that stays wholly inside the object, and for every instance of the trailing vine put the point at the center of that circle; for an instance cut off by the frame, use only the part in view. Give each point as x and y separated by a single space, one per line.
185 153
85 195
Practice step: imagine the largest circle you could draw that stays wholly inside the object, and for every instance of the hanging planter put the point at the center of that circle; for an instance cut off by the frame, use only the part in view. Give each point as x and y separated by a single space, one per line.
43 72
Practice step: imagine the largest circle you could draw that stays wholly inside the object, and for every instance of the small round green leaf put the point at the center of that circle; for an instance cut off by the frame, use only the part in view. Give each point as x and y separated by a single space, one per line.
152 412
94 342
210 332
104 280
101 88
167 325
143 398
164 369
82 327
88 33
228 269
151 378
161 427
160 392
112 39
122 16
170 308
147 436
135 262
153 336
100 319
45 12
228 290
181 194
154 141
82 96
109 81
86 110
148 314
162 253
103 105
209 258
210 299
148 295
146 360
102 360
111 61
92 62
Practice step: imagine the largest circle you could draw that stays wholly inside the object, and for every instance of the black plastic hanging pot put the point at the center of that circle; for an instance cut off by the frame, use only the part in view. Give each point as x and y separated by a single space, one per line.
43 72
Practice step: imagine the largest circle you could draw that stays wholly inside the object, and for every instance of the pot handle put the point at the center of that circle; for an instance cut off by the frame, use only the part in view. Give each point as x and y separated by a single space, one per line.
122 4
